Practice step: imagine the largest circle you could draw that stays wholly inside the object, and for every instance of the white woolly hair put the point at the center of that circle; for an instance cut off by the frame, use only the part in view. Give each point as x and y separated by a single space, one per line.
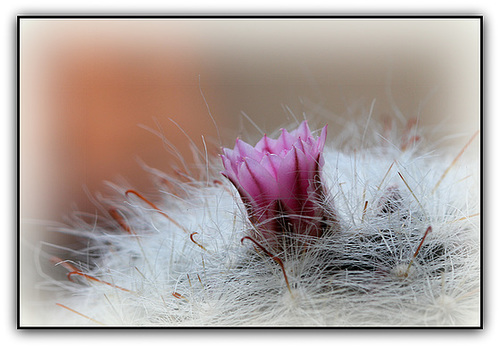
407 252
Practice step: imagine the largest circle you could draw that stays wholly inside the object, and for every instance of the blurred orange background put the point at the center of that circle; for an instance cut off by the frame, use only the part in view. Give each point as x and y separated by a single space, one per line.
87 84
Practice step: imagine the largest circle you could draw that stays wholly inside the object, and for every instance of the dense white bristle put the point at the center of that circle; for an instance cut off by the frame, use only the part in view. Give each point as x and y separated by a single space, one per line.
384 186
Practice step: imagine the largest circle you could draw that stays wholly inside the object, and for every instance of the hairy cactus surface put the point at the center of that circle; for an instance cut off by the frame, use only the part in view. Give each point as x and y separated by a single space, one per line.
374 227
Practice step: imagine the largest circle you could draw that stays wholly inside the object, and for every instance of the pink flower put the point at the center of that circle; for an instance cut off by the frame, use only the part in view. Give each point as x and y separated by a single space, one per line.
279 181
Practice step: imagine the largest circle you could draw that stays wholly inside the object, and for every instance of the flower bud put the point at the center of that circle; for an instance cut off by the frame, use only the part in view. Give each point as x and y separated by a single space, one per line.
279 182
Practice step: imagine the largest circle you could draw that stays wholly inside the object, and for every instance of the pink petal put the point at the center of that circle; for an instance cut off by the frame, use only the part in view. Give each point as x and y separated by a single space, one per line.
289 179
246 150
229 171
299 144
322 139
228 153
306 165
302 131
245 197
257 181
310 149
231 159
266 145
285 142
271 163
